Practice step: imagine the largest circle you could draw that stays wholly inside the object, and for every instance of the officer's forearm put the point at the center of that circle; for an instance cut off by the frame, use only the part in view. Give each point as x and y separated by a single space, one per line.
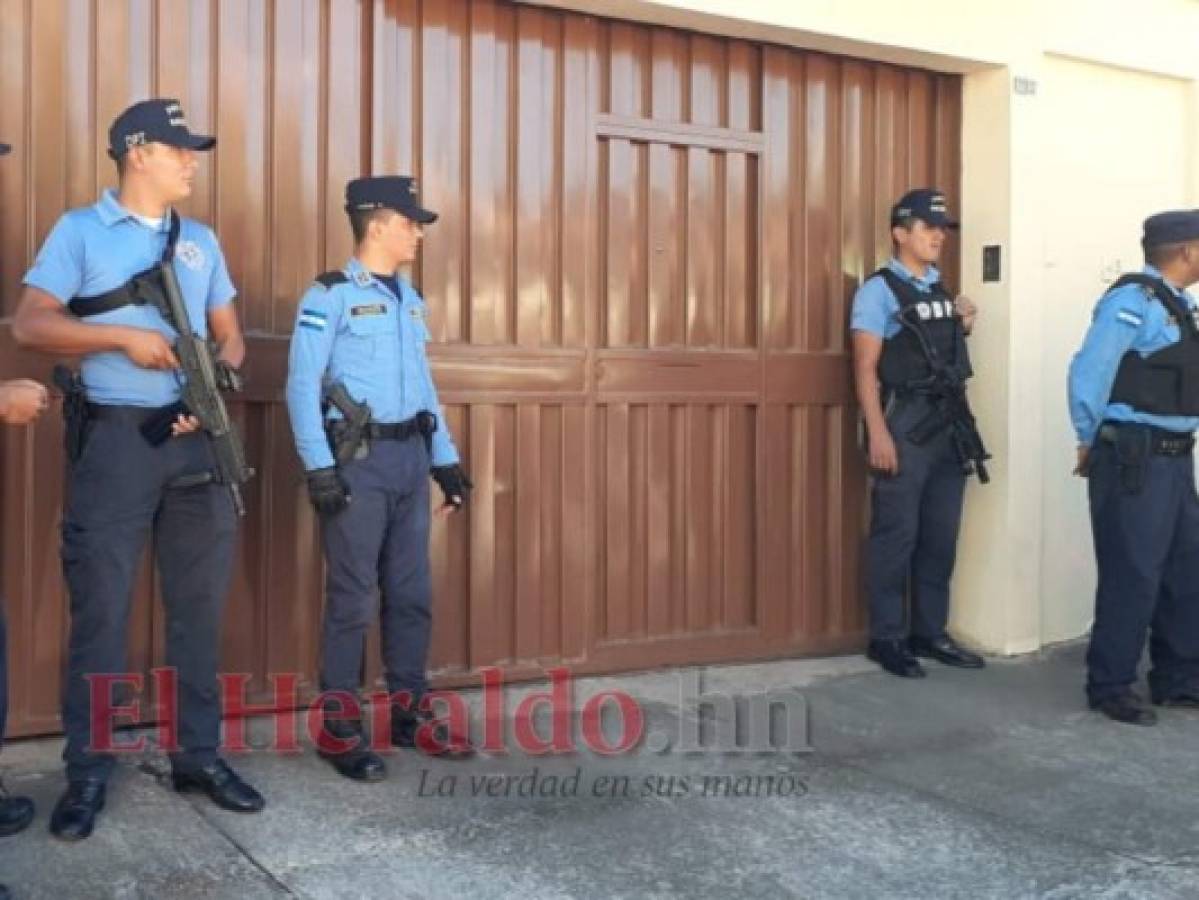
445 453
233 350
866 386
302 395
867 353
226 331
51 331
872 412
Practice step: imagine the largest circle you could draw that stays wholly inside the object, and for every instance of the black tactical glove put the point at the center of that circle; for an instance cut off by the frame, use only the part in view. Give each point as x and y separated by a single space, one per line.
453 483
328 491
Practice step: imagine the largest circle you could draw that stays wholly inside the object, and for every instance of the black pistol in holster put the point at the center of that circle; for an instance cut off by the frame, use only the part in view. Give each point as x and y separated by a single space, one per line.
74 410
347 435
427 424
1133 446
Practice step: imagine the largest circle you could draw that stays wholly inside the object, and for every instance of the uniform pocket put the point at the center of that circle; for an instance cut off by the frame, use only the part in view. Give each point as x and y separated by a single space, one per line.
370 328
92 431
416 332
370 323
414 322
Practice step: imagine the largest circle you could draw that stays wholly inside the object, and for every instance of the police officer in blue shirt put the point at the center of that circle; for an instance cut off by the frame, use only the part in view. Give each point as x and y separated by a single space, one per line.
910 364
21 401
121 486
1134 403
358 359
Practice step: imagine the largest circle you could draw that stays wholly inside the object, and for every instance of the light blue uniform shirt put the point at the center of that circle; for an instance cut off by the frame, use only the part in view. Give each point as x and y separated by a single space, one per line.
95 249
360 334
1124 319
875 306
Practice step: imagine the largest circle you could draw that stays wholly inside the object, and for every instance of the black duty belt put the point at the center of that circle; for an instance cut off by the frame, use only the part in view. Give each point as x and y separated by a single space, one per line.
418 425
130 415
1161 441
393 431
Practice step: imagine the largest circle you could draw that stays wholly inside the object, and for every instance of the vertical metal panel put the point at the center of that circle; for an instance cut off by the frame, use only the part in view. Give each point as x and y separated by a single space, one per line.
640 334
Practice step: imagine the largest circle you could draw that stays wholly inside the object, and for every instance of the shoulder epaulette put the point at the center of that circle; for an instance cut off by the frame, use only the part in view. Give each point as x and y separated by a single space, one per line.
332 278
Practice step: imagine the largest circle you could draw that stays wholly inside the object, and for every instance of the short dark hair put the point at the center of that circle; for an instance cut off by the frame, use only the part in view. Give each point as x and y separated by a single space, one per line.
1163 254
360 220
906 223
122 161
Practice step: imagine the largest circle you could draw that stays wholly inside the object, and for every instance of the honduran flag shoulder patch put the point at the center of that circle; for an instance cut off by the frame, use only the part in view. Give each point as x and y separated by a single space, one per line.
311 318
1129 318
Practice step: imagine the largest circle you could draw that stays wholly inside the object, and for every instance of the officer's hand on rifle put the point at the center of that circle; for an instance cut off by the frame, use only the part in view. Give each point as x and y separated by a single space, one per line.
228 377
149 349
21 401
884 458
454 484
966 311
328 491
185 425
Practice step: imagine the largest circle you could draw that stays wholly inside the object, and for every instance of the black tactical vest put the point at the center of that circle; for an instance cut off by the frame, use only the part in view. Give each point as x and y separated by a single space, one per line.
931 338
1166 382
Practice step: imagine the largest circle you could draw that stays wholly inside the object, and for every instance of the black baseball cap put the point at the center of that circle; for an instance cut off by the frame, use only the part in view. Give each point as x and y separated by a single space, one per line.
397 192
4 148
1177 226
926 204
154 121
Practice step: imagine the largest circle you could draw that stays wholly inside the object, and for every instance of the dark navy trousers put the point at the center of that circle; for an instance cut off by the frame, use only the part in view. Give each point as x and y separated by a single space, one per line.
1147 551
914 523
118 494
378 549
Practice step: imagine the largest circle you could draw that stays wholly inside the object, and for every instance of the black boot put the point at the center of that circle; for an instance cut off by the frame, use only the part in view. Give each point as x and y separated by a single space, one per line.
946 651
75 813
345 747
408 733
15 813
893 656
1186 696
221 784
1126 707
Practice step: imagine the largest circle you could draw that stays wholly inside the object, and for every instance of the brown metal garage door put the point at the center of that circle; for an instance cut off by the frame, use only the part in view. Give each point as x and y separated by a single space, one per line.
639 287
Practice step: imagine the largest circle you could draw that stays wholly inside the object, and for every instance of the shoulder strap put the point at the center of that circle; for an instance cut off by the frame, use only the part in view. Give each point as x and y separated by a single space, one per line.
906 292
908 296
1158 288
144 286
168 252
332 278
1154 286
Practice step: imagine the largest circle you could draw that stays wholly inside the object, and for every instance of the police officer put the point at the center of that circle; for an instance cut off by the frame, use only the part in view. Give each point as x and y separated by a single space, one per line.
910 362
1134 403
121 487
21 401
358 353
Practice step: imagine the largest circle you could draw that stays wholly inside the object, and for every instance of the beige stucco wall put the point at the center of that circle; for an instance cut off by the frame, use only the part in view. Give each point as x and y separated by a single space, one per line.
1080 260
1061 179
